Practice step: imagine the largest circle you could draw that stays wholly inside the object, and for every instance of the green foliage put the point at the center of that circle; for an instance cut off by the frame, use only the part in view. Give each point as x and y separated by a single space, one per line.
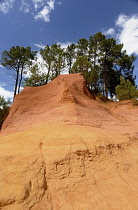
82 47
113 62
37 78
81 65
102 97
4 109
59 60
126 90
48 56
54 57
126 69
70 55
17 59
100 60
135 101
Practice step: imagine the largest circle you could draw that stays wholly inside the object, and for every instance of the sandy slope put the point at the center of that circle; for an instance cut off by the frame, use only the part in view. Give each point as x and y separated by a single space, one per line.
62 149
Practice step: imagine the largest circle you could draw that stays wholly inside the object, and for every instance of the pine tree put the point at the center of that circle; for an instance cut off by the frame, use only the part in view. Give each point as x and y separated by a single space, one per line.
82 47
58 63
126 67
17 59
70 55
48 56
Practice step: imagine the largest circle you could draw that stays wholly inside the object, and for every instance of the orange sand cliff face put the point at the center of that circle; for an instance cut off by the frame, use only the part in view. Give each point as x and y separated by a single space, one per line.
62 149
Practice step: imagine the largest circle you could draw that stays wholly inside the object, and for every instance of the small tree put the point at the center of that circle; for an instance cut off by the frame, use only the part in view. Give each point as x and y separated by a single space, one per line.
126 90
4 109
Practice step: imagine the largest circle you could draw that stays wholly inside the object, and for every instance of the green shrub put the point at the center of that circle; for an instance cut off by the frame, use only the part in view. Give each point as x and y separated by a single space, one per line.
102 97
125 90
4 109
134 101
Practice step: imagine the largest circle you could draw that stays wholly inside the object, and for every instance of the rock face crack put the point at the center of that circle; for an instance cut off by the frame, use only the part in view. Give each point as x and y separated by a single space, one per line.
43 163
38 185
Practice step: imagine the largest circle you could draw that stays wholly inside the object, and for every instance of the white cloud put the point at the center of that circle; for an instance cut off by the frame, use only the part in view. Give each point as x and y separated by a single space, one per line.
2 84
63 45
121 19
51 5
40 9
41 64
25 7
110 31
39 58
6 6
59 3
44 14
7 94
1 66
128 32
38 3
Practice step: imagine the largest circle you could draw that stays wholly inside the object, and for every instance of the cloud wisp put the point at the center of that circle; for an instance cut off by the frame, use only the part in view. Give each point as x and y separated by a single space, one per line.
40 9
1 66
110 31
44 13
41 46
6 6
25 7
63 45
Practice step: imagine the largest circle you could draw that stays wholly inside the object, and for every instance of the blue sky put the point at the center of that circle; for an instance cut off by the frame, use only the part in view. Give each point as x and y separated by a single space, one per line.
37 23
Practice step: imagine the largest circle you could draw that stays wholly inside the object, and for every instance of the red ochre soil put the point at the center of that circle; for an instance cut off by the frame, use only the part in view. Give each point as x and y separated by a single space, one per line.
63 149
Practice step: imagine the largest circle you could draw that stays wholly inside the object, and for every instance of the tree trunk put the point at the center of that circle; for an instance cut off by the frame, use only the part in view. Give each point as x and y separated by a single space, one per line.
47 77
70 64
20 79
105 75
16 83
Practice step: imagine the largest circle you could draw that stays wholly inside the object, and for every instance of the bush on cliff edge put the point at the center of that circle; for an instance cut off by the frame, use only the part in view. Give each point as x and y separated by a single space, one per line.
126 90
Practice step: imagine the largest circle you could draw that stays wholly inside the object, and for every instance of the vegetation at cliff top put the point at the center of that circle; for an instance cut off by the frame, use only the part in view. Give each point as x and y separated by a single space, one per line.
107 68
126 90
100 60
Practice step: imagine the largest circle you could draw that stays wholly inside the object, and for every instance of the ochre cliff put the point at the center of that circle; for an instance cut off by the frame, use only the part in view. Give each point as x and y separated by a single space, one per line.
62 149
